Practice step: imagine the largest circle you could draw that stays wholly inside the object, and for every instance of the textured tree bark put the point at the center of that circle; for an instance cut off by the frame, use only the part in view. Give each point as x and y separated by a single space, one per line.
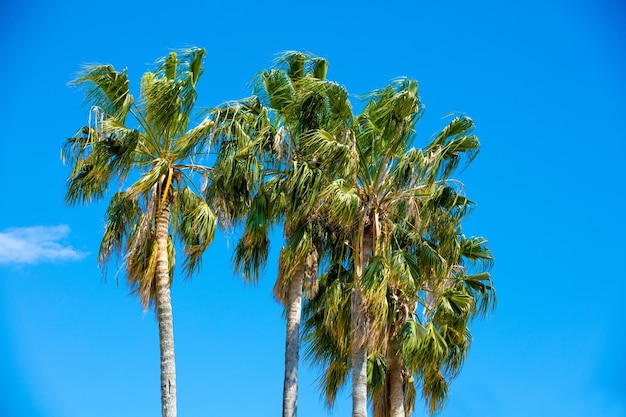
359 356
396 395
358 319
305 276
164 316
292 345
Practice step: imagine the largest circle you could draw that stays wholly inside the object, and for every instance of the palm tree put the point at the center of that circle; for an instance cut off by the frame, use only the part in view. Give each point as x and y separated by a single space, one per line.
389 191
155 162
430 307
279 127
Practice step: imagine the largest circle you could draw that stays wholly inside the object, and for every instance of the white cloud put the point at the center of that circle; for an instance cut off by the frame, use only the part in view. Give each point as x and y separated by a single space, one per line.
37 244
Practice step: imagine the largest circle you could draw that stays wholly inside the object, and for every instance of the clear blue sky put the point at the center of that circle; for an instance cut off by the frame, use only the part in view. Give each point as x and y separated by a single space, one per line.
544 81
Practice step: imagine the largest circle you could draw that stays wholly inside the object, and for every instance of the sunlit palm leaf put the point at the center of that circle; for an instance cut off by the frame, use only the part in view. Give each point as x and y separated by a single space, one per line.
106 88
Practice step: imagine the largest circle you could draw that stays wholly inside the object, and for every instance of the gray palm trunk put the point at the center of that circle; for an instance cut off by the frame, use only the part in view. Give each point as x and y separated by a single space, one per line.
396 383
292 345
359 331
359 355
305 276
163 306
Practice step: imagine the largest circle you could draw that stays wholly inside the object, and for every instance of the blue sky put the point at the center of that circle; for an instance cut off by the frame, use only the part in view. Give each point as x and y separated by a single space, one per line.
545 84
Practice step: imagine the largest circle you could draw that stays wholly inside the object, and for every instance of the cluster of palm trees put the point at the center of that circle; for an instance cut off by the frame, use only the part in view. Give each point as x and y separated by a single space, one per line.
374 271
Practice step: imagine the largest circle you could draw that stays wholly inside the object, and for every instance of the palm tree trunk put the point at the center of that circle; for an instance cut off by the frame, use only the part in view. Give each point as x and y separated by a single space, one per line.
359 355
396 395
305 279
358 319
163 303
292 344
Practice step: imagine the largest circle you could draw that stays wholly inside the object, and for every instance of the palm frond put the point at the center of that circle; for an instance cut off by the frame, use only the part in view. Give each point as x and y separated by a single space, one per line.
252 250
107 89
151 178
292 257
120 219
452 144
195 225
343 202
476 249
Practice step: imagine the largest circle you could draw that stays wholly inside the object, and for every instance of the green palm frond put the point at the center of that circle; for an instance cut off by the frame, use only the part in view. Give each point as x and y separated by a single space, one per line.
457 127
151 178
339 107
292 256
481 288
275 88
408 171
195 224
302 189
453 304
162 107
169 94
409 268
326 331
332 153
252 250
106 88
411 335
476 249
430 260
195 140
141 267
453 143
97 156
434 390
121 216
375 283
376 372
88 181
343 202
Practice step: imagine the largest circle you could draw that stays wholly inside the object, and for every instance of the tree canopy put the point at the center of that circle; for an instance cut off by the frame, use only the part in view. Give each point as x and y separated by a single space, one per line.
372 224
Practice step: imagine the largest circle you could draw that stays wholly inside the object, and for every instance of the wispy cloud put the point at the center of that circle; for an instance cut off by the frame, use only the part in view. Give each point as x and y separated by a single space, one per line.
37 244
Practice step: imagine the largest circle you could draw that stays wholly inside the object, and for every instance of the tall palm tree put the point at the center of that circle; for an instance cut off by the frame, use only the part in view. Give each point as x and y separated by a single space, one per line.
279 125
148 149
430 307
388 192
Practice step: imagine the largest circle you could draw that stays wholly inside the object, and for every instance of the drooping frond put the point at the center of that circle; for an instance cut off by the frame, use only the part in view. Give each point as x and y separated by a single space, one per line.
481 288
475 249
327 331
252 250
97 156
120 220
375 283
434 391
107 89
194 224
451 145
151 178
378 384
302 189
292 257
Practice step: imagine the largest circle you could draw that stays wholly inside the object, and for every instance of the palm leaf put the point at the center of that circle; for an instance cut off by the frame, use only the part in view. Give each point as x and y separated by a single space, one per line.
107 89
